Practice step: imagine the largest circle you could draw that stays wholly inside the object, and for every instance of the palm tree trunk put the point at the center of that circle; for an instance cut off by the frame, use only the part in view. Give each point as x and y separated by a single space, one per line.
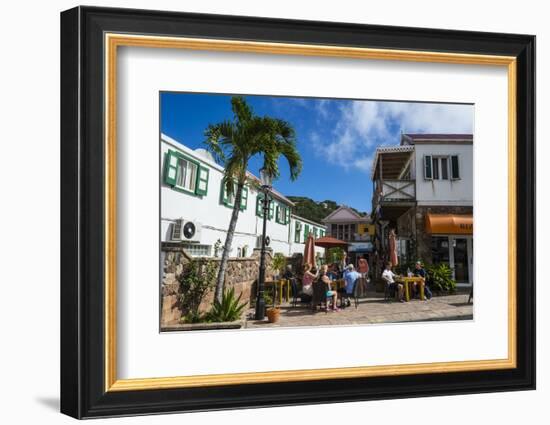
228 242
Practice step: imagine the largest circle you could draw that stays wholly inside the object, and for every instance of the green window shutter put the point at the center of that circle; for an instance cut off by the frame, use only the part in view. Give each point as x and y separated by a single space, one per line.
315 232
455 173
271 209
244 198
306 232
428 167
287 215
202 181
170 168
259 205
223 195
277 213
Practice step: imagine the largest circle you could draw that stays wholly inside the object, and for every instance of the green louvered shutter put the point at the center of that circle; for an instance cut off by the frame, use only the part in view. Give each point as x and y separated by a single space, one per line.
306 232
259 205
298 228
278 213
271 209
202 181
287 215
170 168
223 194
244 198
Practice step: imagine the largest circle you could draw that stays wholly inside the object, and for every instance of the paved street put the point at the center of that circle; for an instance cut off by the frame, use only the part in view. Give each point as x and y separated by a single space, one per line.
373 309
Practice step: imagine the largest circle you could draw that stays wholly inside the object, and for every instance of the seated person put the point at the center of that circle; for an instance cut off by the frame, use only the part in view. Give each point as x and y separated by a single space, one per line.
307 283
351 277
419 271
389 276
288 275
323 276
333 273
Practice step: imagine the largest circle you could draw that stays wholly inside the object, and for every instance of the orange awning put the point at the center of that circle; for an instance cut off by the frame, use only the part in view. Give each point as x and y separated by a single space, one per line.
462 224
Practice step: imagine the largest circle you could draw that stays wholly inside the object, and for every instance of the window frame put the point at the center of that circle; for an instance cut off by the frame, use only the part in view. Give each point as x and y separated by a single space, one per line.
224 196
172 182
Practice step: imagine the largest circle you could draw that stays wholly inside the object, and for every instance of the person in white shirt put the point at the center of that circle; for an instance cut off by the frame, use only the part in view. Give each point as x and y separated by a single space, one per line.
393 286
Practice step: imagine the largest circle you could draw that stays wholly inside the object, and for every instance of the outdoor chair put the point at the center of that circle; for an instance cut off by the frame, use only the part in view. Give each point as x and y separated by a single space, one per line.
389 293
320 289
295 291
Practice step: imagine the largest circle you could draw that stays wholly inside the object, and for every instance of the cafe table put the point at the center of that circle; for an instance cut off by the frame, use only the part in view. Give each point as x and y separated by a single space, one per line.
336 284
278 286
406 280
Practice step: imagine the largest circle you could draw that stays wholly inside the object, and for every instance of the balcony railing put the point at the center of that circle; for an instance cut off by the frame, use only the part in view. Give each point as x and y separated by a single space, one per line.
394 191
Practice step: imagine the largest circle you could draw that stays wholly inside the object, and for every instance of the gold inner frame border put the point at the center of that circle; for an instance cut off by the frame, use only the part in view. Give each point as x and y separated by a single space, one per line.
113 40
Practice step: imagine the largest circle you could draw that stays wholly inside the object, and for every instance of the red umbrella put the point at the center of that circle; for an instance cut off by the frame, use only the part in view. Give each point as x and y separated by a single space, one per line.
309 251
330 242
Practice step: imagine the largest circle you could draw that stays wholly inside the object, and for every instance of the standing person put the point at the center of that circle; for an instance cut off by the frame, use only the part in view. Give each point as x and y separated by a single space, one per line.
421 272
363 268
288 275
307 282
389 276
343 262
323 276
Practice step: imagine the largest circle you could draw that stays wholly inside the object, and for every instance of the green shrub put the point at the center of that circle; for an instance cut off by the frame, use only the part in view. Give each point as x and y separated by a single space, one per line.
196 281
440 277
229 309
334 255
278 263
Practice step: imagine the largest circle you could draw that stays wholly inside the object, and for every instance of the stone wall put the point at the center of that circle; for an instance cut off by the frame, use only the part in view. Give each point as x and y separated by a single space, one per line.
241 274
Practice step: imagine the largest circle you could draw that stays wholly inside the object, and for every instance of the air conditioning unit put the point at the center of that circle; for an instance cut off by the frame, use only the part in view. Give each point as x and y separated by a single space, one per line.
186 231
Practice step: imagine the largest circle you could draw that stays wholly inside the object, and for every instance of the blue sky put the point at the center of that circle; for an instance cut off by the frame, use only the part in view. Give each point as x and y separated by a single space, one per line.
336 138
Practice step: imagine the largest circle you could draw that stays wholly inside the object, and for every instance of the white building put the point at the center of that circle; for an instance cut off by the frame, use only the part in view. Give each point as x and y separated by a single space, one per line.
195 210
423 187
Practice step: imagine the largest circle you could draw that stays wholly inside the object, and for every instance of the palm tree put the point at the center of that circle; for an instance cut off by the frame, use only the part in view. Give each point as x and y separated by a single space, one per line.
233 143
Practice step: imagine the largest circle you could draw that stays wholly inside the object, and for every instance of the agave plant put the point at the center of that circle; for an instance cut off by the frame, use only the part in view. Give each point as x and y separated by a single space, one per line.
229 309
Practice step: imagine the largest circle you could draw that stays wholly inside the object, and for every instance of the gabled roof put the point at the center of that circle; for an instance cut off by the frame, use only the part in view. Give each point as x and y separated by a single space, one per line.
343 214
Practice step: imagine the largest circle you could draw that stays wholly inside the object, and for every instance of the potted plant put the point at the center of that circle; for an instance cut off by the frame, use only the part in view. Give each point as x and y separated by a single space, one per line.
273 314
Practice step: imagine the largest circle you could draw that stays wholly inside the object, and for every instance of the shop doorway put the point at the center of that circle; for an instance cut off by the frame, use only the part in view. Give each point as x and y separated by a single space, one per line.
456 251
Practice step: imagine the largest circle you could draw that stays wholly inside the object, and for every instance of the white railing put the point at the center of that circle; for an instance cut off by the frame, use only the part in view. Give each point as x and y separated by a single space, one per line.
398 190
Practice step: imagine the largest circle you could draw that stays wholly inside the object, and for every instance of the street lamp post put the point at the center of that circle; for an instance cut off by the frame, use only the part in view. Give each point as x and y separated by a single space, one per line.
265 180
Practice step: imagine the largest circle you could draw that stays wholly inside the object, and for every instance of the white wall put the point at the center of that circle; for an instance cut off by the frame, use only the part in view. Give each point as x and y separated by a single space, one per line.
35 353
211 214
445 192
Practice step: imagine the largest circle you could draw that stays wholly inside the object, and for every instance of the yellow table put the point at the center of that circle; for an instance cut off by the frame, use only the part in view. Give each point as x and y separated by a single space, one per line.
281 284
408 280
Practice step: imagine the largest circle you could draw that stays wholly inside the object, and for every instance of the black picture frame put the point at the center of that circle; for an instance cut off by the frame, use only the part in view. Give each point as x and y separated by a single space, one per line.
82 212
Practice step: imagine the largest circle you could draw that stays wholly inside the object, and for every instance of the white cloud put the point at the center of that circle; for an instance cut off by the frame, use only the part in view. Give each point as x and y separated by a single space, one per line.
361 126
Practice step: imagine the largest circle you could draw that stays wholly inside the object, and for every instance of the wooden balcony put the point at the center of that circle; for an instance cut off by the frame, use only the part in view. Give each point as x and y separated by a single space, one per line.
388 192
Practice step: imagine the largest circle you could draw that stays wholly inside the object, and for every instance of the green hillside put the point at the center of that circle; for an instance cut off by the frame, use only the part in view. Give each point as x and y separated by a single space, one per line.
312 210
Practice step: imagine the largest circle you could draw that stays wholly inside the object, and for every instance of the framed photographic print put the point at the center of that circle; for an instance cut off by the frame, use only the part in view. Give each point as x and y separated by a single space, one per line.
261 212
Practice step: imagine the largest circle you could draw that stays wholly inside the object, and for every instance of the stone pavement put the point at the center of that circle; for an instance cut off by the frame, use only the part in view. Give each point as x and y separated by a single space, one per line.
373 309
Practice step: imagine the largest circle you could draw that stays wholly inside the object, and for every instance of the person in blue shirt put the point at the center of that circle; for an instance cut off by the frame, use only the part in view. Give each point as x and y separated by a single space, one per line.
421 272
351 278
